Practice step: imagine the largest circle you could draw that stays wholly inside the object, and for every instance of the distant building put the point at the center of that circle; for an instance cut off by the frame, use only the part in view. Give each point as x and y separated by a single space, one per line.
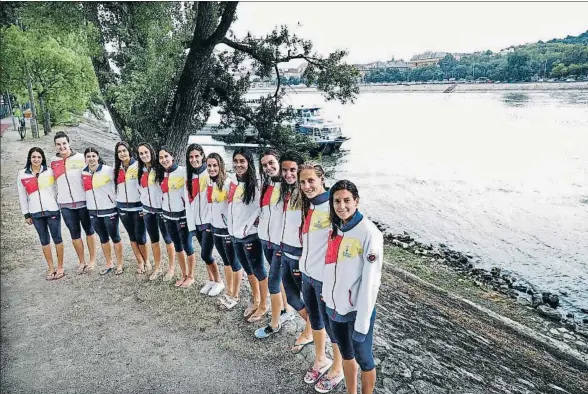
427 59
506 51
399 65
293 71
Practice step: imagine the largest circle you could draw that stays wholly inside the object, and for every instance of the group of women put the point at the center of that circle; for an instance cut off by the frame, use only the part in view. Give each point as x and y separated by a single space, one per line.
324 257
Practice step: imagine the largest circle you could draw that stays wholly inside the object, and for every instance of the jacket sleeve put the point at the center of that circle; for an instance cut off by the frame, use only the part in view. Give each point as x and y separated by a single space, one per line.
189 211
22 197
370 284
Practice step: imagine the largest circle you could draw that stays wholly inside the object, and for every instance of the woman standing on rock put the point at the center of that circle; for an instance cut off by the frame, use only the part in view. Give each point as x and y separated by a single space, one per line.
197 180
314 234
217 195
151 199
98 180
290 243
178 221
243 218
271 220
353 270
38 204
67 168
128 202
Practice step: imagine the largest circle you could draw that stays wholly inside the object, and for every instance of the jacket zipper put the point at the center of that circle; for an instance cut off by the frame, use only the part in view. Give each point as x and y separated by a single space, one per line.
149 191
199 200
39 191
308 245
335 281
125 185
67 180
94 194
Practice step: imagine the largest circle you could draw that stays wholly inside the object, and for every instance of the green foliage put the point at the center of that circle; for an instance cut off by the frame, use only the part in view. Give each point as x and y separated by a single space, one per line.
556 58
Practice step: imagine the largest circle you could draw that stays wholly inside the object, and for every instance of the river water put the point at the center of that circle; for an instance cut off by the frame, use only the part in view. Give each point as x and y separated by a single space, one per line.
500 175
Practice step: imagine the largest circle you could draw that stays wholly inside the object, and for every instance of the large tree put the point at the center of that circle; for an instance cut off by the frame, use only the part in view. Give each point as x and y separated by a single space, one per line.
163 66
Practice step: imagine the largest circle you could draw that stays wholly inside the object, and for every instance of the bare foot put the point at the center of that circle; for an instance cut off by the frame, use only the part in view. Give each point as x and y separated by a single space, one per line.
187 282
141 268
148 267
155 274
179 282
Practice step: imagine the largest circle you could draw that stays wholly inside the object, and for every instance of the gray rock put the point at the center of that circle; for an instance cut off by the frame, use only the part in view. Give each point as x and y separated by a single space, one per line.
581 345
424 387
536 300
583 332
548 312
523 301
551 299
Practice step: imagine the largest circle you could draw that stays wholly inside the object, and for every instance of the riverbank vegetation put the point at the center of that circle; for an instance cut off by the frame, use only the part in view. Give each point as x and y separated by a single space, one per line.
557 58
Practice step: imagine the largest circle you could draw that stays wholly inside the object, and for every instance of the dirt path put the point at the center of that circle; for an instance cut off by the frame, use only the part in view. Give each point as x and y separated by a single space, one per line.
92 334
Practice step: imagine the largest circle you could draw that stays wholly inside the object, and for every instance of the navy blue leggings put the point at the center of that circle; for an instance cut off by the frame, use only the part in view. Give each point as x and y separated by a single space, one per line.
362 352
180 235
274 258
292 279
206 242
73 218
134 225
312 291
226 249
249 255
49 224
107 228
154 224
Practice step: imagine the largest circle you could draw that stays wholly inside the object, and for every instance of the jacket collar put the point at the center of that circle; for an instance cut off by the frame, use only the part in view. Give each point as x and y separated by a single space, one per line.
321 198
355 219
130 163
72 153
87 168
29 169
201 169
172 168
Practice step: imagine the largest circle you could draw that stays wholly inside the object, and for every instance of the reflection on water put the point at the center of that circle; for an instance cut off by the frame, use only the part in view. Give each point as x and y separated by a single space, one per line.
507 183
516 99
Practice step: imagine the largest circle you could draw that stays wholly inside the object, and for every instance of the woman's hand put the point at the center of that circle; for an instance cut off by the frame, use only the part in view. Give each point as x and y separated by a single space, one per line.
29 221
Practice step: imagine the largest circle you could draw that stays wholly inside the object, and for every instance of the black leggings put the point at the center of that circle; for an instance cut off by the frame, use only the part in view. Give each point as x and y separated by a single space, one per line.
134 225
224 247
206 242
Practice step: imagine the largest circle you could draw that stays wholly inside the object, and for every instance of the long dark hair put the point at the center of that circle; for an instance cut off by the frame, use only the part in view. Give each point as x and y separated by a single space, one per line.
154 163
340 185
265 179
250 177
294 190
118 162
189 169
29 164
320 172
222 171
159 170
94 150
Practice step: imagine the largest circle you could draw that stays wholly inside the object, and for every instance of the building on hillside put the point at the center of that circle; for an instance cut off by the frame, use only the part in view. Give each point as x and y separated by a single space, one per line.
293 71
506 51
365 68
427 59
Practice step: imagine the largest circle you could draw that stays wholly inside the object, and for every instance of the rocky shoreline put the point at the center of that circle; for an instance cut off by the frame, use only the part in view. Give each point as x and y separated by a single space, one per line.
571 327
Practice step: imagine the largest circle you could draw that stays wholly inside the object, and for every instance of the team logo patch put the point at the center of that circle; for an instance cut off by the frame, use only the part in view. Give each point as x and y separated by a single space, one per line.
371 257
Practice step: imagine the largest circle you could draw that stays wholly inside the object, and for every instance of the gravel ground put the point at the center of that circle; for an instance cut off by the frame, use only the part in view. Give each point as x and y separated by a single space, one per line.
90 334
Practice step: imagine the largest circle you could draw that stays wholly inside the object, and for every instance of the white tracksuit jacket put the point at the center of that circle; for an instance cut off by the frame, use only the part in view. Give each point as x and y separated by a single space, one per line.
315 232
68 176
36 194
99 187
352 274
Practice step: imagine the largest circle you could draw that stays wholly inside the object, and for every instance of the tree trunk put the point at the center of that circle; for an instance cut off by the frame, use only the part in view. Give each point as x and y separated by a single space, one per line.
46 114
33 121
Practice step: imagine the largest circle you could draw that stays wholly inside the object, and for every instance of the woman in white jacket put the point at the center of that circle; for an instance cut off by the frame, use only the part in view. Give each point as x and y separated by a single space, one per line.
98 181
197 180
128 202
353 270
35 184
177 213
314 234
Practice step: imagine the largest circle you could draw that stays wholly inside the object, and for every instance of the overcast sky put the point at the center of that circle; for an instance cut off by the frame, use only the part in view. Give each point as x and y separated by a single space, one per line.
380 31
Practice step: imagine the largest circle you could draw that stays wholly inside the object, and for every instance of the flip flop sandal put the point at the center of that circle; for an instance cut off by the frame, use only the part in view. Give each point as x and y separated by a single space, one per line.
313 375
249 311
179 282
50 275
155 275
297 348
107 271
119 271
167 277
89 268
253 318
81 269
59 275
230 304
326 384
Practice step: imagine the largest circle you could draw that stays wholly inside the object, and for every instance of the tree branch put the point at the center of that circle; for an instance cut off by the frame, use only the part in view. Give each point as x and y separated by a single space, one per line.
251 52
225 23
278 79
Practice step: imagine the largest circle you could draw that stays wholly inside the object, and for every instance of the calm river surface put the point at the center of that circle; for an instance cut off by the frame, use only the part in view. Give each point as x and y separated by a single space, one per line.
501 175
